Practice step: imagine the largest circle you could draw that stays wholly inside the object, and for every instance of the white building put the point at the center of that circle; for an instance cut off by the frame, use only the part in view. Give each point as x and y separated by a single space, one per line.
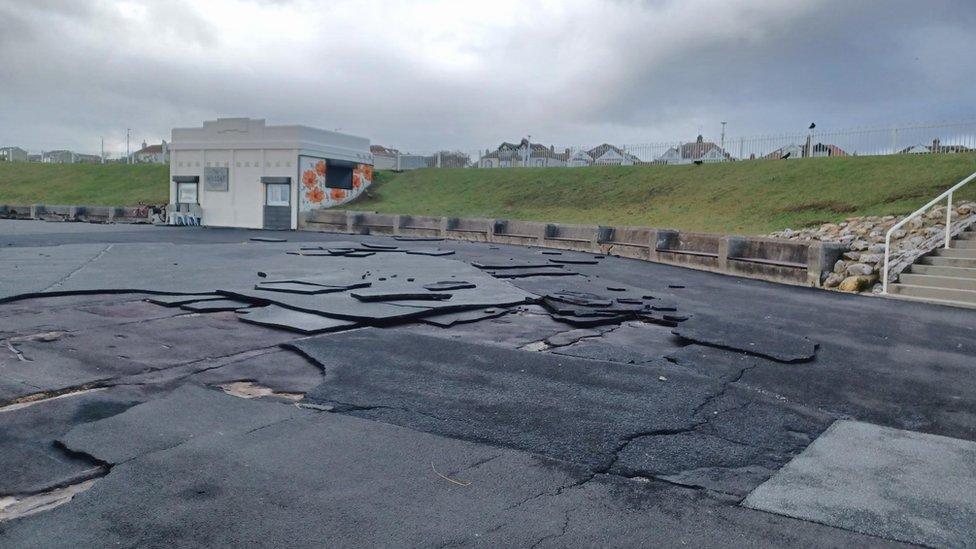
240 172
152 154
695 152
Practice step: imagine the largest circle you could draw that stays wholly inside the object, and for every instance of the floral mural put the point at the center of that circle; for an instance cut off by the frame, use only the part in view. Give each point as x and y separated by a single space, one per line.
315 192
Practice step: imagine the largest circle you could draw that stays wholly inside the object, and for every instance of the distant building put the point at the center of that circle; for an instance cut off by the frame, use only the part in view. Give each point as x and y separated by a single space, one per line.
13 154
822 150
152 154
790 151
58 157
87 158
34 158
608 155
523 155
935 147
697 151
384 158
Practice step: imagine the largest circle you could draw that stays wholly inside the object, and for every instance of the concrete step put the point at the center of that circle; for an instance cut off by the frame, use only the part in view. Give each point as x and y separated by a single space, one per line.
948 261
963 244
954 272
966 253
934 281
949 303
928 293
968 234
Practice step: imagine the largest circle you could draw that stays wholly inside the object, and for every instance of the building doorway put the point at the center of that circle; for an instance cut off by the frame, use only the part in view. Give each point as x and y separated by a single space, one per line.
277 202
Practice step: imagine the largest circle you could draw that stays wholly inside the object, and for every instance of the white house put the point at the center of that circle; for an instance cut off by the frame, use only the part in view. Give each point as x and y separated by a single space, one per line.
609 155
152 154
240 172
523 155
697 151
580 159
13 154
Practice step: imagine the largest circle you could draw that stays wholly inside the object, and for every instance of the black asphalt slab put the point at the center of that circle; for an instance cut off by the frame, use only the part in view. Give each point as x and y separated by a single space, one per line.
758 339
188 412
535 402
97 355
478 431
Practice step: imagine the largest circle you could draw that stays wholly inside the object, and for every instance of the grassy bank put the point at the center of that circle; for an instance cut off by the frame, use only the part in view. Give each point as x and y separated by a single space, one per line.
88 184
749 197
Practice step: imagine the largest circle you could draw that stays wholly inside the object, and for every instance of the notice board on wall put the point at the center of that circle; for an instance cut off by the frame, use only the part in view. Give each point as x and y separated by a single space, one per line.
216 179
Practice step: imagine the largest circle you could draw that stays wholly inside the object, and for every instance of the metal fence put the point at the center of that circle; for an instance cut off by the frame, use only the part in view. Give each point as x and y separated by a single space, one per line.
945 138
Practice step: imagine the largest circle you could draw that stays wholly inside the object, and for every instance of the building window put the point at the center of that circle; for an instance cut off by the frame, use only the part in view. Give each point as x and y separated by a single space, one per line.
186 193
278 194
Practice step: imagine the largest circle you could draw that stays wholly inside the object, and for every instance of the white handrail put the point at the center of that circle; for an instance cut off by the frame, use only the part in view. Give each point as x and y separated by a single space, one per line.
918 212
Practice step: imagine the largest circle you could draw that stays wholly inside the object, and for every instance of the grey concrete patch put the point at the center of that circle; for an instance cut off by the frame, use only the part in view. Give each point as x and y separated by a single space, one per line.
896 484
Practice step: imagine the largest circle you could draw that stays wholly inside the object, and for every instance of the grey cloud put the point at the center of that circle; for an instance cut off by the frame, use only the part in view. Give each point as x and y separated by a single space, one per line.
570 73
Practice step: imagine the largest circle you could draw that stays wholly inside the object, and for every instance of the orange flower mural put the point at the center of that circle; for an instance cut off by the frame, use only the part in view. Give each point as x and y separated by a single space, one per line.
337 194
320 167
357 180
308 178
315 195
368 172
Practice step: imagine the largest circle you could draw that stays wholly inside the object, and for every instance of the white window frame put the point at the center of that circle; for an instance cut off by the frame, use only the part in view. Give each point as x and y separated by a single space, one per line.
277 201
180 194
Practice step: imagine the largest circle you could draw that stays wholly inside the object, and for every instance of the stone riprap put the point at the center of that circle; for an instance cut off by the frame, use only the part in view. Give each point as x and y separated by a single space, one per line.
860 267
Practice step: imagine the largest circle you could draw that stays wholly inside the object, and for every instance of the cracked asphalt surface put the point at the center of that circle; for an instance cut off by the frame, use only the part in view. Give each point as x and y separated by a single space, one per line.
516 430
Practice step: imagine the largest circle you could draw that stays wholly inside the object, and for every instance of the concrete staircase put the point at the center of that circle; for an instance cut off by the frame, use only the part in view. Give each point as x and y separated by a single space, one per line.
946 276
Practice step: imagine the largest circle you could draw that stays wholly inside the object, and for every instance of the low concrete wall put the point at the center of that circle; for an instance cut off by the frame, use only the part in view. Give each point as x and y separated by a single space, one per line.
90 214
788 261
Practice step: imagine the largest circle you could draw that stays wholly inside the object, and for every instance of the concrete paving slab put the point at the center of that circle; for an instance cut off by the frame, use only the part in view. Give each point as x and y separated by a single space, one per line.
886 482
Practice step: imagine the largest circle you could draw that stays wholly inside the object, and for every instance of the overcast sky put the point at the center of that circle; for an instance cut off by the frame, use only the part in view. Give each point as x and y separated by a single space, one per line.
421 75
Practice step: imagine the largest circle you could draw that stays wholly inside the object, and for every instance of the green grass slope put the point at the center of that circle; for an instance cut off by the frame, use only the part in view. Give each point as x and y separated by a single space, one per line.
750 197
83 184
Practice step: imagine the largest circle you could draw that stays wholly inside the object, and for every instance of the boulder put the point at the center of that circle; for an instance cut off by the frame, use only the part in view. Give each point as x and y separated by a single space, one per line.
857 283
859 245
872 258
853 256
840 266
833 280
859 269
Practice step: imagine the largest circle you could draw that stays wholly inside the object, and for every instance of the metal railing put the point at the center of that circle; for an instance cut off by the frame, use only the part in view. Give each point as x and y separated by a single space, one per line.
948 225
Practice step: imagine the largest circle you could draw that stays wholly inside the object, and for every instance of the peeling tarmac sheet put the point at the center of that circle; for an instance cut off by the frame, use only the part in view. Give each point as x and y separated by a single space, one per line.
765 341
885 482
156 425
296 321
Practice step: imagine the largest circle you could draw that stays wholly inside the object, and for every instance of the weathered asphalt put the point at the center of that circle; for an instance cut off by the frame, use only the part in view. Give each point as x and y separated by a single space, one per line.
634 437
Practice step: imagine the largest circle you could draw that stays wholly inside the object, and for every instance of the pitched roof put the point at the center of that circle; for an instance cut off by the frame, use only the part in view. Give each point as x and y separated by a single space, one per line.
151 149
383 151
598 151
508 151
